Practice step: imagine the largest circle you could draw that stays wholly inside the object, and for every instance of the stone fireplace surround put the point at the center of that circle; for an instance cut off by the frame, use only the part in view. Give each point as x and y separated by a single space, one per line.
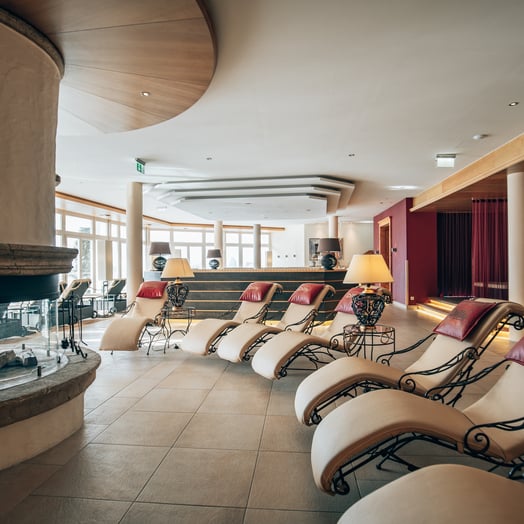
40 414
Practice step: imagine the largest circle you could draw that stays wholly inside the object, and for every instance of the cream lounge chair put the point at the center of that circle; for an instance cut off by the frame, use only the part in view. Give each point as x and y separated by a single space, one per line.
126 332
442 493
299 316
381 423
281 352
204 336
457 345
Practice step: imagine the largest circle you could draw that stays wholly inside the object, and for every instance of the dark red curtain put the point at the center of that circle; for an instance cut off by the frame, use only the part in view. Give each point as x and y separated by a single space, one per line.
454 254
489 248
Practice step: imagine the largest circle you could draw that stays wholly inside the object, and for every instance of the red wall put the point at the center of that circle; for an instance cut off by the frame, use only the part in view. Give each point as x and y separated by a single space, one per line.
414 252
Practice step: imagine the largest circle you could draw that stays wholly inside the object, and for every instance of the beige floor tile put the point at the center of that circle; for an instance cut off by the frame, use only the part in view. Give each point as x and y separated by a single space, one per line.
53 510
222 431
63 452
285 481
239 402
168 399
102 471
202 477
145 428
265 516
138 388
281 402
284 433
110 410
148 513
242 377
17 482
191 378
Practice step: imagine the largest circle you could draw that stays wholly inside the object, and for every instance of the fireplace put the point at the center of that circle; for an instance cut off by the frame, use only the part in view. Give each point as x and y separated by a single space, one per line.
42 384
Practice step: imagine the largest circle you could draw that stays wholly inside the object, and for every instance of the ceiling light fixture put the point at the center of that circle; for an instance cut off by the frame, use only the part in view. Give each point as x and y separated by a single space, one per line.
479 136
513 104
445 159
145 93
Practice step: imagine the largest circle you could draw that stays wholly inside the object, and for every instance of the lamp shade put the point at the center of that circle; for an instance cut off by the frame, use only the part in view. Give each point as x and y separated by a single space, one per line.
214 253
159 248
177 268
367 269
329 244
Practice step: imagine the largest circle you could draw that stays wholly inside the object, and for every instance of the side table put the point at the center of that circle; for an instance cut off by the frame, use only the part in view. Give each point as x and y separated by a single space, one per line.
361 341
164 329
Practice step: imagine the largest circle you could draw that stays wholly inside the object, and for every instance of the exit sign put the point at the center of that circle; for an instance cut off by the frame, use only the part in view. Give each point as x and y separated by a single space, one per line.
140 166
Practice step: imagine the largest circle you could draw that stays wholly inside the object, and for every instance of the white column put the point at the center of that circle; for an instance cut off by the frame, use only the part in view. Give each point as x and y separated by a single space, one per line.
332 226
256 247
515 237
218 229
134 239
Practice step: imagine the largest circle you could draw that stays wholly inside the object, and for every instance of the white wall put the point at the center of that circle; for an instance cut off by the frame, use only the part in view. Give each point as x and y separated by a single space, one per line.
357 239
288 246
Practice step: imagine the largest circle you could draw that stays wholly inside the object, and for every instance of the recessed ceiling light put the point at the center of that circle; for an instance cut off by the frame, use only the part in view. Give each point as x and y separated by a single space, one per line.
479 136
513 104
351 154
445 159
209 158
402 188
145 93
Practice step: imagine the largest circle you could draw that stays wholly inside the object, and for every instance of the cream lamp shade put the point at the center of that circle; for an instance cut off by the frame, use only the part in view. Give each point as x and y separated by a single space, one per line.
367 270
177 268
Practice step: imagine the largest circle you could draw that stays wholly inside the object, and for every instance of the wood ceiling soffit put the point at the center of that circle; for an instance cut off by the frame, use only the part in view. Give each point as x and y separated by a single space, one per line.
116 49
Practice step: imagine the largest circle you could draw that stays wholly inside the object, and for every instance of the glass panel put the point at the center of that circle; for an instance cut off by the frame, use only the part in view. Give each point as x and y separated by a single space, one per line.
58 221
101 228
247 238
74 243
122 231
188 236
232 256
195 257
114 231
180 251
210 237
159 236
232 238
86 257
116 260
78 225
247 257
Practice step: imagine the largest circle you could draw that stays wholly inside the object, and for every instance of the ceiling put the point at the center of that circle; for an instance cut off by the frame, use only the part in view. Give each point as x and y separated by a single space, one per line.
364 93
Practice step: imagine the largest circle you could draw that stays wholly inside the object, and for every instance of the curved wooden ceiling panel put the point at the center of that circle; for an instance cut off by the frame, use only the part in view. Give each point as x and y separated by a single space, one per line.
116 49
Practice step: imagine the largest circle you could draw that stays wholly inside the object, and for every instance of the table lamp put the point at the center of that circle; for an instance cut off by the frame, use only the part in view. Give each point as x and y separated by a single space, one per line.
177 291
367 270
327 246
213 254
159 248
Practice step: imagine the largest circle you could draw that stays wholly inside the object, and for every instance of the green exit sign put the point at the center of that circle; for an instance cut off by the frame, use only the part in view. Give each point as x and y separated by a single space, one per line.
140 166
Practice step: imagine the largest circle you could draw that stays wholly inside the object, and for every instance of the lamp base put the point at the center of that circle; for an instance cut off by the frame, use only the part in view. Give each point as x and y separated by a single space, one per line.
328 261
159 263
214 263
177 294
368 308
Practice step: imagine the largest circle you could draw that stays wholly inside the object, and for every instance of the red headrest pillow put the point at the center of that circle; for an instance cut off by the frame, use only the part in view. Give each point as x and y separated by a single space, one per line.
306 293
151 289
516 353
464 317
256 291
345 304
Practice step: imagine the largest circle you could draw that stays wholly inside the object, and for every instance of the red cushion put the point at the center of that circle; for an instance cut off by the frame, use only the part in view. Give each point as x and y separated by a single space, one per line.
306 293
345 304
256 291
464 317
516 353
151 289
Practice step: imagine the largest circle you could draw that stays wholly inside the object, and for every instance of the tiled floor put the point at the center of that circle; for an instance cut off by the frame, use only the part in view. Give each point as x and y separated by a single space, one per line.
179 438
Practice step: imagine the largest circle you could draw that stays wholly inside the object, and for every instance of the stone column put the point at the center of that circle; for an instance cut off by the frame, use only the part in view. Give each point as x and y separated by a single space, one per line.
332 226
515 237
218 229
134 239
30 72
256 247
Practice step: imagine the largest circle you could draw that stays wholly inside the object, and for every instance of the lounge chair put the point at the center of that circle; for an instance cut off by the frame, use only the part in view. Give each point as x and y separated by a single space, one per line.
380 423
204 336
303 306
451 354
280 353
126 332
441 493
